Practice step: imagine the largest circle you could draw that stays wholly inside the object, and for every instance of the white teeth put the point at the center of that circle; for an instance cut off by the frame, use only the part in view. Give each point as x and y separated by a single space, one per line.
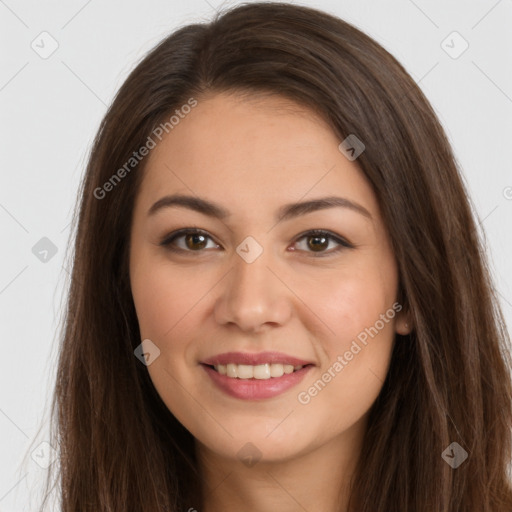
231 370
276 370
244 371
260 371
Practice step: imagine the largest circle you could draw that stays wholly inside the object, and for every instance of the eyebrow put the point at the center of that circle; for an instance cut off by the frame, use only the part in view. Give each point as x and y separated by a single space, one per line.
286 212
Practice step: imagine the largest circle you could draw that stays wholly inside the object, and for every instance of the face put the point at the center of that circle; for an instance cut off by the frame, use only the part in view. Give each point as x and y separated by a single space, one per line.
257 279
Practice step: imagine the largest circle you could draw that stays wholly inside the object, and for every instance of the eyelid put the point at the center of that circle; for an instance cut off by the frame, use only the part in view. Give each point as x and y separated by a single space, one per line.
166 242
341 241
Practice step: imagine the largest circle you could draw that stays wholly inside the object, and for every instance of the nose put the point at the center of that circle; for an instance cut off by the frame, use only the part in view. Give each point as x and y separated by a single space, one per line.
253 295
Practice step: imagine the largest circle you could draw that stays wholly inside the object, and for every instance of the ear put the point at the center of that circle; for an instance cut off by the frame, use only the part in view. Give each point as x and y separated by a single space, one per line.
403 323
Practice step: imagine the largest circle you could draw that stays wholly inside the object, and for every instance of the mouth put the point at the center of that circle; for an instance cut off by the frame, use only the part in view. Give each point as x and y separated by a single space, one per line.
258 382
264 371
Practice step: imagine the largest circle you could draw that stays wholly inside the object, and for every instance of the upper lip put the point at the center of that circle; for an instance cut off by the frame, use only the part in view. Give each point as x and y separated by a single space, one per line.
255 359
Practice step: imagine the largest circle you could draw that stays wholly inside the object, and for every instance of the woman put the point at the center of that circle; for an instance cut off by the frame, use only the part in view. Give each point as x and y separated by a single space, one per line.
278 298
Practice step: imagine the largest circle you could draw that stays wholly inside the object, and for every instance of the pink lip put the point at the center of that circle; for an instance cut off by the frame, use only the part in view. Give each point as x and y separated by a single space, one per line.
256 389
255 359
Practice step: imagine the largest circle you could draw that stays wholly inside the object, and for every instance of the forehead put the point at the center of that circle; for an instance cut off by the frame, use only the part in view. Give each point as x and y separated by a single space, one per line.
250 153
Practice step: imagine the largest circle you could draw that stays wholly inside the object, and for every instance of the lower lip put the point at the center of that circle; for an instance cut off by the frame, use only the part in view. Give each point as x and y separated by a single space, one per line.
256 389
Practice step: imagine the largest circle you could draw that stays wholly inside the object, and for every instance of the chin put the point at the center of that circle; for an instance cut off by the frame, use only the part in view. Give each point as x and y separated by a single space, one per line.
256 444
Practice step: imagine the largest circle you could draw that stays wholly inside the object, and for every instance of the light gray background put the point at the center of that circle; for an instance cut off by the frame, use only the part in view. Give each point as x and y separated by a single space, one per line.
51 109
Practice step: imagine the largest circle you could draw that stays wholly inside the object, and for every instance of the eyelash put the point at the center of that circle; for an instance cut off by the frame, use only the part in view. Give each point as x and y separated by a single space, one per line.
343 244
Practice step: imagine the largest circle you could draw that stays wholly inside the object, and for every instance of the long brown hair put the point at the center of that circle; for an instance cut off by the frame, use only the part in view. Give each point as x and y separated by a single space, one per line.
449 381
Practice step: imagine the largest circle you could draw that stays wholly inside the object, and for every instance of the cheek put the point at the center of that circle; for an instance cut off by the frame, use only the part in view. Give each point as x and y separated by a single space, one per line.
359 313
169 303
354 369
163 298
164 304
352 303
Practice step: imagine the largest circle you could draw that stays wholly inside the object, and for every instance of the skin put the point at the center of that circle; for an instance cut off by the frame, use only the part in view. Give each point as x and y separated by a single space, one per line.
251 157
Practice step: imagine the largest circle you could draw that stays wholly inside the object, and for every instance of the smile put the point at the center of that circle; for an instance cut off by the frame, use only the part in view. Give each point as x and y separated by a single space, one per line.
260 371
248 382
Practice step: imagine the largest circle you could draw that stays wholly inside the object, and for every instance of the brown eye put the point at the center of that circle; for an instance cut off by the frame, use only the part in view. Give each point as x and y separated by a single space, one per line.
318 241
194 241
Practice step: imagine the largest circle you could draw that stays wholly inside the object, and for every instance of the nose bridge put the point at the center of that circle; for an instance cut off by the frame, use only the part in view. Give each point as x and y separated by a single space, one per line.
252 294
252 278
